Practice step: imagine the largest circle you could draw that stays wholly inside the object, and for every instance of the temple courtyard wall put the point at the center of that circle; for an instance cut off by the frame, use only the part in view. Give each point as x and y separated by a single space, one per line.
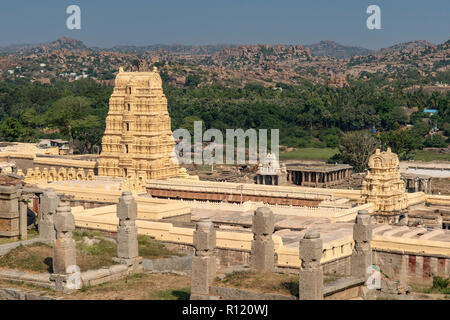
414 255
31 161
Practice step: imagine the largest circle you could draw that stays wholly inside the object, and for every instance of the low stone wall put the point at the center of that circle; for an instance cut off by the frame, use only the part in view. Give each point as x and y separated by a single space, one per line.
344 289
341 266
179 265
16 294
412 268
341 289
241 294
438 200
31 161
88 278
36 279
228 257
103 275
87 204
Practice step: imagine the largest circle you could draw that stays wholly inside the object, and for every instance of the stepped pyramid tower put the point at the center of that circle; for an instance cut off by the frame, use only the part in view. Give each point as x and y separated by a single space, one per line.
384 187
138 140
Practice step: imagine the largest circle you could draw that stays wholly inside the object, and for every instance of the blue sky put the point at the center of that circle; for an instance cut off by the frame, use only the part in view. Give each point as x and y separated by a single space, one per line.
106 23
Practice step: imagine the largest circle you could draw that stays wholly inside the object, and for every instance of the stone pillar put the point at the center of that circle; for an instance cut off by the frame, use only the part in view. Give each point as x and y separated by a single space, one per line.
23 216
49 201
362 252
311 273
262 258
127 241
9 211
64 251
204 261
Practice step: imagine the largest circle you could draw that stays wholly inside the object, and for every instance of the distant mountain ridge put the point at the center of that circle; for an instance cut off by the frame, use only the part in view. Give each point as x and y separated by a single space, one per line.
409 46
324 48
59 44
333 49
174 48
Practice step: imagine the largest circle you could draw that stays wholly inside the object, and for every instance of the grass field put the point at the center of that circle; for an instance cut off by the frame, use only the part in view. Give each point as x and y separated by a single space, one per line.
309 154
423 155
38 257
324 154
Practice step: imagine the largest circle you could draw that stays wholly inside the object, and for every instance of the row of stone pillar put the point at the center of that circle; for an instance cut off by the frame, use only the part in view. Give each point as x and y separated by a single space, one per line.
57 224
263 254
420 184
301 177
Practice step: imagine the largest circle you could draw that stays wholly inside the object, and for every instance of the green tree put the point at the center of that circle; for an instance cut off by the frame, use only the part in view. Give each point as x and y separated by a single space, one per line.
12 130
193 80
87 133
355 148
66 113
435 141
401 142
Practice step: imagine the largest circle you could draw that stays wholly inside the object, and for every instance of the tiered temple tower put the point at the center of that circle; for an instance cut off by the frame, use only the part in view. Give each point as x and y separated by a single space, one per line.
384 188
138 138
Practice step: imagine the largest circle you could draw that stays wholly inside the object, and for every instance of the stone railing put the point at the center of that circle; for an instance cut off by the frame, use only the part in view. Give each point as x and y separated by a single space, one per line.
408 245
438 200
244 188
416 198
336 214
36 176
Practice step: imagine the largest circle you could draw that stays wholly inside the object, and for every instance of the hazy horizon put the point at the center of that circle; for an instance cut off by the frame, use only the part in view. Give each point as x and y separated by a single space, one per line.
208 44
109 23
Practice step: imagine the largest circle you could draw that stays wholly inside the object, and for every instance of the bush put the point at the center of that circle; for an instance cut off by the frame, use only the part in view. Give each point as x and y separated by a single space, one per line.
440 283
435 141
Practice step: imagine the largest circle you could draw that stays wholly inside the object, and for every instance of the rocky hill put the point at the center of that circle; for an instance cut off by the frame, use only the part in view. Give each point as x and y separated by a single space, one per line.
333 49
407 47
413 63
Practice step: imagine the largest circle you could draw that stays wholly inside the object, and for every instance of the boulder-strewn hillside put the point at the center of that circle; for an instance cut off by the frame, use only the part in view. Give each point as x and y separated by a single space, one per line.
333 49
406 46
174 48
410 64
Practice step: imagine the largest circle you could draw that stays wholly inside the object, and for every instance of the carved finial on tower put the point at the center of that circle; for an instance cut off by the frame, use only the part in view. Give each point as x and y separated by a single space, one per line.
155 69
120 69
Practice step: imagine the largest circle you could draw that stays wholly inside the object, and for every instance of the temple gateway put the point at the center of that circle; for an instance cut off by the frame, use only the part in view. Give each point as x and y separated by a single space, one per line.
138 138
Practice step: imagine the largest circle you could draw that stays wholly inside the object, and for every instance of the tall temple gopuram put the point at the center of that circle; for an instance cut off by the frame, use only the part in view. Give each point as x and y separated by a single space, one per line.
138 138
384 188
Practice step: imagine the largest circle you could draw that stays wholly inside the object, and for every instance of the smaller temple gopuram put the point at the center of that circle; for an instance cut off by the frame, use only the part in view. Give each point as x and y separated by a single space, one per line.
384 187
138 140
270 173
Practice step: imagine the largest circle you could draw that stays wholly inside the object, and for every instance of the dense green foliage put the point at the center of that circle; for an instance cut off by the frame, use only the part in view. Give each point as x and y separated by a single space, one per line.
29 111
307 115
316 116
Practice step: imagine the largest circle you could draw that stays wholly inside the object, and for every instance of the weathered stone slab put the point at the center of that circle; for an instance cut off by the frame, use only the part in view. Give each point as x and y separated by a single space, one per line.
242 294
174 264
